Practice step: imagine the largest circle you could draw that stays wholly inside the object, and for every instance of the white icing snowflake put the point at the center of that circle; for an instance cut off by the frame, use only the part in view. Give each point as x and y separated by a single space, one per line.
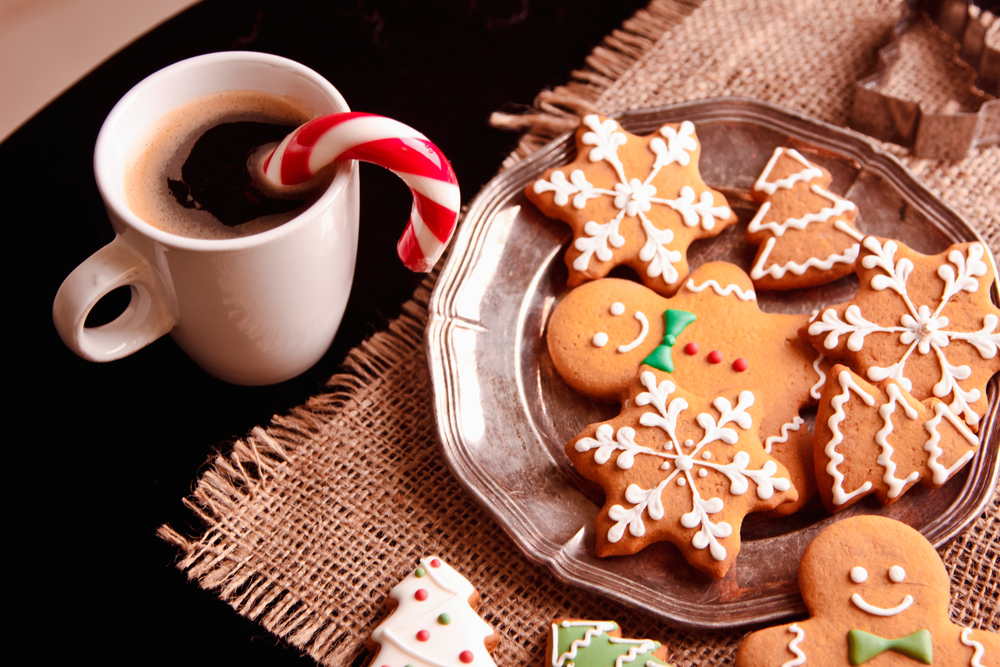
920 329
634 197
685 463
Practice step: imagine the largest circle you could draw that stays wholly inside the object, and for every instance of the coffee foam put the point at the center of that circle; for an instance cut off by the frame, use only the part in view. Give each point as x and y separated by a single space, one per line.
162 150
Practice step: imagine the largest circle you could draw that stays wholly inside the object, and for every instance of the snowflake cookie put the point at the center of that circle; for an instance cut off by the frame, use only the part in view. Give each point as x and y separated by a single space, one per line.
878 595
576 642
879 439
433 623
680 468
709 338
805 232
637 201
927 322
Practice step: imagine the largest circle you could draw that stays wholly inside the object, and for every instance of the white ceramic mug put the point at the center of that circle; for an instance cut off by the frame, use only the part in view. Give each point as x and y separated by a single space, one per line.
253 310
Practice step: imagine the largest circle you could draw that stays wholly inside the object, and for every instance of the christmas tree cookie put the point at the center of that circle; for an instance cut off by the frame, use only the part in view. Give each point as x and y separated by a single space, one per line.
879 439
433 622
637 201
805 232
578 643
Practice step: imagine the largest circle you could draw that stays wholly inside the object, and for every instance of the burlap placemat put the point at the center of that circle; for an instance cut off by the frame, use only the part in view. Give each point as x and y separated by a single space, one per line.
310 521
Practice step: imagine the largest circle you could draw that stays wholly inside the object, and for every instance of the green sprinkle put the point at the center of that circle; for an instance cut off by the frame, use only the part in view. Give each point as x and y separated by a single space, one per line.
420 572
444 619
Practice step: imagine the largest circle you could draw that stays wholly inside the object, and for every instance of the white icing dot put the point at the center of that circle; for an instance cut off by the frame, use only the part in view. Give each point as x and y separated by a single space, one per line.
859 574
668 446
684 462
897 574
600 339
689 443
665 466
617 308
681 481
706 455
702 473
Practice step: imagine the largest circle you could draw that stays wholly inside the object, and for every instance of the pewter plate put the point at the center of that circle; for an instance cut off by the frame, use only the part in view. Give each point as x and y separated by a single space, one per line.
504 415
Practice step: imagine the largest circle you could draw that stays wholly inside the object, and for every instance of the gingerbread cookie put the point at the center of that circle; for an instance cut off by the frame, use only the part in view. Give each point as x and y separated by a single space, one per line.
578 643
879 439
805 232
637 201
432 622
680 468
877 594
927 322
711 338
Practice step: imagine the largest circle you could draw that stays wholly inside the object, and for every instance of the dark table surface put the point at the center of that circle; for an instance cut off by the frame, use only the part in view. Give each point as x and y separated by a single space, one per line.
104 453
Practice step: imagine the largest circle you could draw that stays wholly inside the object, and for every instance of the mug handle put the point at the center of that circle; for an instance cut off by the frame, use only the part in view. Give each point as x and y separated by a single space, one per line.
147 317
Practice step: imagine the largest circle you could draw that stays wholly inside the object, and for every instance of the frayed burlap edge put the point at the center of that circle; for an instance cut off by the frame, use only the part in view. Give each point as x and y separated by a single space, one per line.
233 481
559 110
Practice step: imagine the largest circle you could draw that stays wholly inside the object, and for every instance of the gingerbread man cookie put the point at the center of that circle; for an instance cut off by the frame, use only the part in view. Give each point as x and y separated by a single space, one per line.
637 201
711 338
432 622
879 439
578 643
927 322
805 232
680 468
877 595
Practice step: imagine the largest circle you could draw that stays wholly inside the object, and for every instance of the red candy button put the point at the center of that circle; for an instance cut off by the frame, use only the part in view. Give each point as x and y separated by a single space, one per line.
423 635
714 357
740 365
466 656
691 349
421 594
435 563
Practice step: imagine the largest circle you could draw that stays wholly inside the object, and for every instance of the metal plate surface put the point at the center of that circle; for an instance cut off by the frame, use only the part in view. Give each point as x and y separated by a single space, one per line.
504 415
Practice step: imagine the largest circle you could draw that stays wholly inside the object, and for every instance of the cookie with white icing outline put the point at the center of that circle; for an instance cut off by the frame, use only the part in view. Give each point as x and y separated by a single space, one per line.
926 321
631 200
575 642
602 333
878 595
680 468
432 622
805 232
878 439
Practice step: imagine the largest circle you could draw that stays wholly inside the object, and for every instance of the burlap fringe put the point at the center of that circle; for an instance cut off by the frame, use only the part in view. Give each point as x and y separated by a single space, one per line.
232 482
559 110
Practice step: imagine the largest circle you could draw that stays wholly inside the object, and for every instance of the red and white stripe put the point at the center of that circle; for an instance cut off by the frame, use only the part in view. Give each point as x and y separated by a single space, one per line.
390 144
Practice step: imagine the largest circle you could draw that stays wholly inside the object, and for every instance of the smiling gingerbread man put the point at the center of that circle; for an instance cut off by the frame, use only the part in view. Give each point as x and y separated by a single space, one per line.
711 339
878 595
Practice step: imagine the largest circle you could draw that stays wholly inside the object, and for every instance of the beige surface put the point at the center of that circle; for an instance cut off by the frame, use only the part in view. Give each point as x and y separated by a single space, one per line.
47 45
313 519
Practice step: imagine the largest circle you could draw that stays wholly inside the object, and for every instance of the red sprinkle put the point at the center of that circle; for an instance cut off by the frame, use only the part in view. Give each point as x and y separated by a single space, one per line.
435 563
691 348
466 656
714 357
423 635
421 594
740 365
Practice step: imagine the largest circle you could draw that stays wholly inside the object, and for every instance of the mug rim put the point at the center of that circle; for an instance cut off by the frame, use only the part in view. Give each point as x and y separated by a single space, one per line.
342 176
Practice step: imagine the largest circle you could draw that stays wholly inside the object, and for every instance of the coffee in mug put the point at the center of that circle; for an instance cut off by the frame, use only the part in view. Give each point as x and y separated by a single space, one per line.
188 175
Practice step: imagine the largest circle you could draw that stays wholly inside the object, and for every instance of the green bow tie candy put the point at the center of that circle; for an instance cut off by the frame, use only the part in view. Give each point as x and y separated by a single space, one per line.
864 646
677 321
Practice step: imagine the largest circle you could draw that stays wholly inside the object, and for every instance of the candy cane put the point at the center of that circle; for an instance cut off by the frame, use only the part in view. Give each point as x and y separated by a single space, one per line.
390 144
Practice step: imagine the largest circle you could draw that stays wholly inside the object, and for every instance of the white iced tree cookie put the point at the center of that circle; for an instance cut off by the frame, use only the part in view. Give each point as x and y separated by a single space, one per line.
805 232
433 622
637 201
